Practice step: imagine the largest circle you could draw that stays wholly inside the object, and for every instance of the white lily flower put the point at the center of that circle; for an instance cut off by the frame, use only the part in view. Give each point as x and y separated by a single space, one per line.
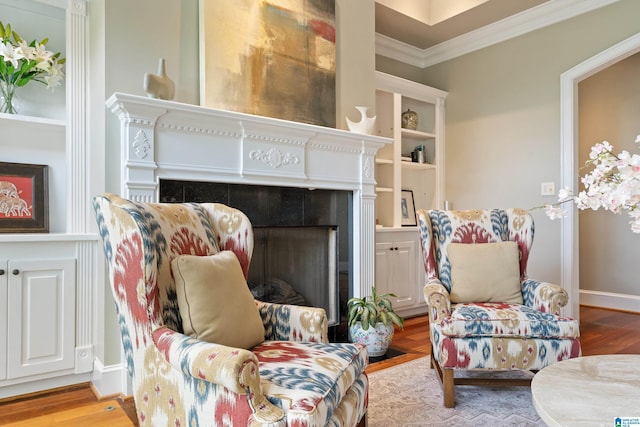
10 54
25 50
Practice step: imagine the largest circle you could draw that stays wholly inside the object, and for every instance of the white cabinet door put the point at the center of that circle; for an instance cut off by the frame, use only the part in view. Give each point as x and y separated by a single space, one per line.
396 272
3 319
41 316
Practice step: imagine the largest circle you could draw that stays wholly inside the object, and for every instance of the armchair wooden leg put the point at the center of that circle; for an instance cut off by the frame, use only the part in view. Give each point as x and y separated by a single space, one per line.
447 380
447 388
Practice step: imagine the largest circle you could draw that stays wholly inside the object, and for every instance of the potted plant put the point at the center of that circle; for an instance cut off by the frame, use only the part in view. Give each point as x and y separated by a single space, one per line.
372 320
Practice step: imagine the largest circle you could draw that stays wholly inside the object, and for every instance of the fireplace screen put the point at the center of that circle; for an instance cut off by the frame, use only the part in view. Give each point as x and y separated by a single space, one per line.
296 265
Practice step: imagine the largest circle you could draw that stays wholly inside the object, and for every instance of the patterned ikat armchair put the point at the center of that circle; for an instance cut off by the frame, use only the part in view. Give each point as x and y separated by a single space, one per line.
293 378
512 330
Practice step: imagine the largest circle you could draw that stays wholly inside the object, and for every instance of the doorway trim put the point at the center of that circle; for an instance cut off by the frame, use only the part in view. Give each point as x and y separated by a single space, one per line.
569 249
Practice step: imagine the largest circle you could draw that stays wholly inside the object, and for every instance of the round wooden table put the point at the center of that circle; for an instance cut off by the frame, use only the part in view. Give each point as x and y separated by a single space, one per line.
589 391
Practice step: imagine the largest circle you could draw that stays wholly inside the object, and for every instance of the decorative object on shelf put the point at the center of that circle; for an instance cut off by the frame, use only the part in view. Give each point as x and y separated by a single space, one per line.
408 209
159 85
24 201
371 321
419 154
613 185
22 62
365 125
8 101
410 120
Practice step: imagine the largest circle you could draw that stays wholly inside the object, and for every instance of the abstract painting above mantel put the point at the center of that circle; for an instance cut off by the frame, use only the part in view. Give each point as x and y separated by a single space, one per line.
274 58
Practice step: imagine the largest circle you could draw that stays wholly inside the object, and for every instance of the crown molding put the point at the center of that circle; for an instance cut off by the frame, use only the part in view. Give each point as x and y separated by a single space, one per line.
530 20
400 51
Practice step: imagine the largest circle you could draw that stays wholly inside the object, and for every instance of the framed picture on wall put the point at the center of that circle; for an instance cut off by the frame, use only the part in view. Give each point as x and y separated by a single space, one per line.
282 65
408 209
24 199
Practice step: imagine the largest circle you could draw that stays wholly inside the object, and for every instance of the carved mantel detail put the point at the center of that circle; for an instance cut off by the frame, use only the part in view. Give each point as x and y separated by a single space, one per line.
274 157
141 145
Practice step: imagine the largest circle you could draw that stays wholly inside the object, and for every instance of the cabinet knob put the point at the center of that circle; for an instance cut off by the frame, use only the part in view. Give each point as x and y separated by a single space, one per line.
1 271
15 272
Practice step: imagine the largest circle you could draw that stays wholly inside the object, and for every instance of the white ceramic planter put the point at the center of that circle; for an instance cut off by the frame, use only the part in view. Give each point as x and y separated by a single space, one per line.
376 339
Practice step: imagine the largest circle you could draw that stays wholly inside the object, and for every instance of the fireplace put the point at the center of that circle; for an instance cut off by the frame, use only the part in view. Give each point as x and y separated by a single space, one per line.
166 140
299 266
302 246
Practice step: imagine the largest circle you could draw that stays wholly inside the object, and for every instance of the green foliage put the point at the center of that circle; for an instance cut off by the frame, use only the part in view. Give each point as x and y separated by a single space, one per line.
372 309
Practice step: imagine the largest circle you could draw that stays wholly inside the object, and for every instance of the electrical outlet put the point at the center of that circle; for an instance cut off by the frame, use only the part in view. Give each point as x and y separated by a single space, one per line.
548 189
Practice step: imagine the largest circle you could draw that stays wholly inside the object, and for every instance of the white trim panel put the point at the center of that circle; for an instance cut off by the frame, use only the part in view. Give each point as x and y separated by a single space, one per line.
610 300
110 380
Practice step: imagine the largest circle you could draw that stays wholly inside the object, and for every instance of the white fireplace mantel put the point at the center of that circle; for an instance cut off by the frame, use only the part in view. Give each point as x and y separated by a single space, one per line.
170 140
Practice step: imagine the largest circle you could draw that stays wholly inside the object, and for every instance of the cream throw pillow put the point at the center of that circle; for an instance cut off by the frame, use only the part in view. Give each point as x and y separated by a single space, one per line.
485 272
215 302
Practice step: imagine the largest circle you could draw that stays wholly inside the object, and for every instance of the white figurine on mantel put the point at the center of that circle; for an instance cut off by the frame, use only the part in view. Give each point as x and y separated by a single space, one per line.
365 125
160 85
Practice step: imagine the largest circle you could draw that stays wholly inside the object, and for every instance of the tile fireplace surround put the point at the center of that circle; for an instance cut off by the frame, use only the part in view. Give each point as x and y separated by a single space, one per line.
170 140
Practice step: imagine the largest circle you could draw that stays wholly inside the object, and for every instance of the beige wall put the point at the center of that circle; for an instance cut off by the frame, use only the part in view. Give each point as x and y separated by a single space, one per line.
609 109
355 73
503 117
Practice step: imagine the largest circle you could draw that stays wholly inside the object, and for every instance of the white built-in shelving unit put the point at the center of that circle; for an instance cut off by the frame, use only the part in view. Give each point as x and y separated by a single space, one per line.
48 281
398 266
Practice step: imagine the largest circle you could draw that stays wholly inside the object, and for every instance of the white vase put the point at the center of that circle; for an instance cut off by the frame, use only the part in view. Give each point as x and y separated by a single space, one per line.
365 125
159 85
376 339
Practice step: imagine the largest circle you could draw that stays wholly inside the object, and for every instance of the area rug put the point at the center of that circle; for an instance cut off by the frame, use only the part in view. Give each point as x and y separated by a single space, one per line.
409 394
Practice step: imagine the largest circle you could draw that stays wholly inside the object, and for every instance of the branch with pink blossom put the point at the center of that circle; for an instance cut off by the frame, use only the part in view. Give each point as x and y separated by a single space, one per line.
613 184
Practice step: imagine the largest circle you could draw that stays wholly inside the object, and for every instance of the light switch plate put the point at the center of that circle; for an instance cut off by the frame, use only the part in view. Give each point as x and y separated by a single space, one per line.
548 189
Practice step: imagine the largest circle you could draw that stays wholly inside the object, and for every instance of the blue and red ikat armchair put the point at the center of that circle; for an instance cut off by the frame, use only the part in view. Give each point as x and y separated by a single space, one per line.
467 333
293 378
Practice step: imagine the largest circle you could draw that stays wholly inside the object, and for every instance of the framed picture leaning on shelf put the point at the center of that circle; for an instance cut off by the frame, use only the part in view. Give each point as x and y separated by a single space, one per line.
408 209
24 201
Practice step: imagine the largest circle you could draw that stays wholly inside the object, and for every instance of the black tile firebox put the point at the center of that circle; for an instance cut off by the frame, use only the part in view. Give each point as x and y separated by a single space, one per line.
290 209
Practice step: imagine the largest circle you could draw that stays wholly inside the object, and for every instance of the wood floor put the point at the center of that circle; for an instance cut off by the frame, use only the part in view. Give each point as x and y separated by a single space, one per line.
602 332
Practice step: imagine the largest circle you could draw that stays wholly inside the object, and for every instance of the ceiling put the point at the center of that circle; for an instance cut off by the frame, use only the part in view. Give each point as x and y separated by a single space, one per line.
426 32
413 30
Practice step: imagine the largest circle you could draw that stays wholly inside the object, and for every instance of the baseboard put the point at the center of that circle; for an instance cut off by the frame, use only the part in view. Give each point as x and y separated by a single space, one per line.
40 384
111 380
610 300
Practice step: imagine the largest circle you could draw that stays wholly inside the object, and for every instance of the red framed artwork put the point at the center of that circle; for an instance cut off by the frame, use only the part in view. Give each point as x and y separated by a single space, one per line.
24 201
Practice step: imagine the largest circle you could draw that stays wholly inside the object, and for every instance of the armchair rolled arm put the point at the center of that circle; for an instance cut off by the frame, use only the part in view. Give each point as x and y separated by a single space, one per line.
544 296
230 367
283 322
437 298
